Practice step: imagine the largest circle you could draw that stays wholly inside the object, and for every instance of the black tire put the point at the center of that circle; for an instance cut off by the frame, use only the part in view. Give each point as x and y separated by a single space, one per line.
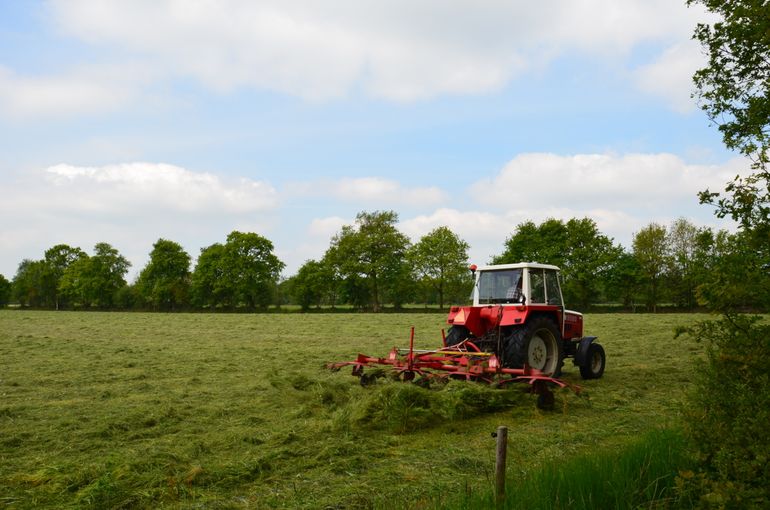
456 335
595 359
538 344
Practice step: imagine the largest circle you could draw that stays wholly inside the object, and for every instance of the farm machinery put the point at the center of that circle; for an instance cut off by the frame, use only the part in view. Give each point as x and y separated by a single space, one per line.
516 331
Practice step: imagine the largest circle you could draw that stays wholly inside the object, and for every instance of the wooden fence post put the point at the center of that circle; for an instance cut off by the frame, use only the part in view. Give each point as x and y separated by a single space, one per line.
502 444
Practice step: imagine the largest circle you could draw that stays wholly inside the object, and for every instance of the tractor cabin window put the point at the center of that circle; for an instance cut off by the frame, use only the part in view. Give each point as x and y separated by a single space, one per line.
503 286
552 288
536 286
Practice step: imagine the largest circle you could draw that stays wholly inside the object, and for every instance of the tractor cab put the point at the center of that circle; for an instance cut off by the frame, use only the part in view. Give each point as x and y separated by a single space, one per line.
524 284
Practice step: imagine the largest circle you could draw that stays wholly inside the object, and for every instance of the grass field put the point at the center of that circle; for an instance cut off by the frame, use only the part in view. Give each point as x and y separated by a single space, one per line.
112 410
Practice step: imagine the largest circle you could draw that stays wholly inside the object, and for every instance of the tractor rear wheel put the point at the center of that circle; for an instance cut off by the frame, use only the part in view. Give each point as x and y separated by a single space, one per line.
538 344
593 368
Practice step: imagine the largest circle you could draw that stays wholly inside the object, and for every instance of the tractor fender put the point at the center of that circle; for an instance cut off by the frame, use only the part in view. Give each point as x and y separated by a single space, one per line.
582 350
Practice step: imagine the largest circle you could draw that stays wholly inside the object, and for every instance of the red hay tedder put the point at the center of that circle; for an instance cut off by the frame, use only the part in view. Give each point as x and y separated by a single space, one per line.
516 331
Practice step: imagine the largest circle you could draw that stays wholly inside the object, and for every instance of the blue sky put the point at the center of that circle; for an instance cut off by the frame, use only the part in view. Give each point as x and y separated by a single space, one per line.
128 121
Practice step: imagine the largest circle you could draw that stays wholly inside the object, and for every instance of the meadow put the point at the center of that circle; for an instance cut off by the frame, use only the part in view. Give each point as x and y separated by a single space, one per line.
133 410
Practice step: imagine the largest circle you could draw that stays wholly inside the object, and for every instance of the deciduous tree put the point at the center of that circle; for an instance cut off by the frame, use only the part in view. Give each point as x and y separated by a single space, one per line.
242 272
165 280
312 283
369 257
682 244
28 283
734 91
96 280
5 291
209 287
440 260
251 268
57 260
652 254
583 253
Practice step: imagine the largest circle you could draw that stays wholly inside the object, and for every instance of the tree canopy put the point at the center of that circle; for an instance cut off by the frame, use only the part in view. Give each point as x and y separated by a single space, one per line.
369 256
242 272
583 253
165 280
440 261
734 91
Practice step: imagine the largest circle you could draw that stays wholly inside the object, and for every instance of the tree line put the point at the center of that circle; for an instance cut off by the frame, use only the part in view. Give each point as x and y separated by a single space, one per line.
371 264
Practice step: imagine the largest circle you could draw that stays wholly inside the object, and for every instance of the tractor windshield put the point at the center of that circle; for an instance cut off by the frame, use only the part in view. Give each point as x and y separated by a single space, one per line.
501 286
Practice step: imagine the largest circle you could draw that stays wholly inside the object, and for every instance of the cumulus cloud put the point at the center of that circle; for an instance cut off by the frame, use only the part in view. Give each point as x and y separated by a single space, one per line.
128 187
649 182
670 76
622 194
399 50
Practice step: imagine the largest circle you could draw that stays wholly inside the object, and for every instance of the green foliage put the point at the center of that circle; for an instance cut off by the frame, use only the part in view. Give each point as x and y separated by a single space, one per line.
624 280
584 255
734 90
242 272
651 251
730 273
728 412
251 268
165 280
734 87
57 260
369 256
96 280
440 261
681 272
5 291
640 475
208 284
314 284
29 282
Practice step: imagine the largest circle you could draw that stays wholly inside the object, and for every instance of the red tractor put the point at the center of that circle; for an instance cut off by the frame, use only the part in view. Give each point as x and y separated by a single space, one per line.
516 331
518 314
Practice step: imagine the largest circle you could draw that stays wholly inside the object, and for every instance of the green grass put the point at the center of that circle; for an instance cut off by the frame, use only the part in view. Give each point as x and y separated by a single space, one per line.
640 475
111 410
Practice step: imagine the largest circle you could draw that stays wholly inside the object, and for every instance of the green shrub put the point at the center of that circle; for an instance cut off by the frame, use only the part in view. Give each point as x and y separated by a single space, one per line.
728 414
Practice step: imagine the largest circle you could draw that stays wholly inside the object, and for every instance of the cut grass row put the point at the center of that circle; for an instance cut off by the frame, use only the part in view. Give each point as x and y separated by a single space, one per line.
187 410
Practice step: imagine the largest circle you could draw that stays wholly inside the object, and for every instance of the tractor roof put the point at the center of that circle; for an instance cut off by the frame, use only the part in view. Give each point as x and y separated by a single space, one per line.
518 265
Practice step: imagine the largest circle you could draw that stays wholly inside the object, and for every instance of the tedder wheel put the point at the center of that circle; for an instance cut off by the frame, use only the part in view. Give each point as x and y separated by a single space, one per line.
538 344
594 362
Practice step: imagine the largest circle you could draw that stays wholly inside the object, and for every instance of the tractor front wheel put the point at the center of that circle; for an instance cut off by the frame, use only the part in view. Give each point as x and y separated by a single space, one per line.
456 335
593 368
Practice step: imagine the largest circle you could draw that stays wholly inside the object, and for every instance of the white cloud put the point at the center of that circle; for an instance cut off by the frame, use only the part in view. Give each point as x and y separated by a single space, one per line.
640 182
622 194
325 228
129 205
670 76
372 191
400 50
85 90
123 188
